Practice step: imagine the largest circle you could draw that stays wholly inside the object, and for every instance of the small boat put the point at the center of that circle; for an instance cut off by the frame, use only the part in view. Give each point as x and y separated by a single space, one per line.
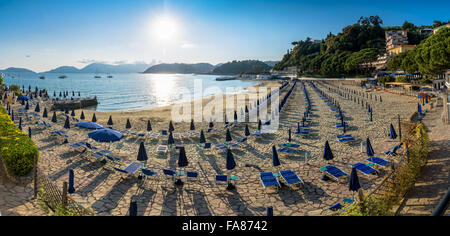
41 77
110 76
97 76
62 76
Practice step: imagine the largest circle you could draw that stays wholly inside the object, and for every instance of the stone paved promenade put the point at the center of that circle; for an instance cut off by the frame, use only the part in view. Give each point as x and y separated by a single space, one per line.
434 182
16 200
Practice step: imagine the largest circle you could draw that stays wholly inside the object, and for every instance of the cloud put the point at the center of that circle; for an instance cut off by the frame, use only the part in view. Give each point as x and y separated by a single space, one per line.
188 46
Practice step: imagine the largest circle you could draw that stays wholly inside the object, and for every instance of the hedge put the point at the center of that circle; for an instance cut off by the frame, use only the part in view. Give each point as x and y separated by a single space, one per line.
17 150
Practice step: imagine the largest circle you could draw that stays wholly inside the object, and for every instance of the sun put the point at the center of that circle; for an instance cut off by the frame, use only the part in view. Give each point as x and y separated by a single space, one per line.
165 28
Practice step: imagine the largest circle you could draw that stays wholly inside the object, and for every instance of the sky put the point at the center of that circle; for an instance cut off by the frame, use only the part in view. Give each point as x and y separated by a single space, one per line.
42 35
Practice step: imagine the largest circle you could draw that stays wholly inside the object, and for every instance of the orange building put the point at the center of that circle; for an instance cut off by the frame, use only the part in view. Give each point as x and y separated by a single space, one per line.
401 48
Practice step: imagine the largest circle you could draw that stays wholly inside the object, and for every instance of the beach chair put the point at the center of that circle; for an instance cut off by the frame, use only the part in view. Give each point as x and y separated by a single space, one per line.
269 180
290 145
256 135
148 174
291 178
339 206
232 145
170 175
286 151
365 169
192 177
100 154
221 147
162 149
185 135
176 135
154 135
130 170
347 140
378 161
343 136
394 149
242 140
334 172
221 179
194 133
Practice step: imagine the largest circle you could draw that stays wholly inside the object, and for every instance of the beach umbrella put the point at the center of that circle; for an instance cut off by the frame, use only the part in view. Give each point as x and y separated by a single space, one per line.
381 100
54 120
142 154
66 111
94 118
67 123
211 124
54 93
228 136
149 126
289 135
110 121
133 208
270 211
128 125
20 121
392 133
226 119
247 131
27 106
192 125
371 116
369 149
298 127
246 109
45 115
170 139
275 159
327 153
105 135
230 165
182 162
426 99
235 116
73 113
31 96
60 94
259 125
29 132
202 137
71 188
82 115
79 94
88 125
419 109
37 108
73 93
12 115
171 128
354 181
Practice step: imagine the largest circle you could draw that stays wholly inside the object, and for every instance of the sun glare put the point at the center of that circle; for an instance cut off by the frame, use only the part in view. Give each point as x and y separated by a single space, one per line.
164 28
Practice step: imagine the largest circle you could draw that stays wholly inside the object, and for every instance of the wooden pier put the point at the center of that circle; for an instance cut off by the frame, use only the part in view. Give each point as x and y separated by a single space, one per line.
74 104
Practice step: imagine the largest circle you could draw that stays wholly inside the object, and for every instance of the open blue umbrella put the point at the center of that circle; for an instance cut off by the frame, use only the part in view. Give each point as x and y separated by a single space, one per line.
247 131
88 125
369 149
392 133
327 153
54 120
45 115
202 137
228 136
354 181
71 188
67 123
133 208
105 135
142 154
192 127
275 159
94 118
110 121
270 211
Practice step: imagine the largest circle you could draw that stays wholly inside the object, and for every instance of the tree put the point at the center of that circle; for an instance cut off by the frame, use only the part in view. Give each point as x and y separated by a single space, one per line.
433 55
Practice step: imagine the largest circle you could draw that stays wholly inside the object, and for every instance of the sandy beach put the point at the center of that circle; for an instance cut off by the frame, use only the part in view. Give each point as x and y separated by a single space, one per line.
100 187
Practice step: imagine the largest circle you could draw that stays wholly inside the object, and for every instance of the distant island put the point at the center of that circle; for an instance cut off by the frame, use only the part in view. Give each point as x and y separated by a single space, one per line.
17 70
180 68
102 68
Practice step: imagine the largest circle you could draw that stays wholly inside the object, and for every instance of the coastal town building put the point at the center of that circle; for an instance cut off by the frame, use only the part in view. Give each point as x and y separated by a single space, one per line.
396 38
426 31
441 27
400 49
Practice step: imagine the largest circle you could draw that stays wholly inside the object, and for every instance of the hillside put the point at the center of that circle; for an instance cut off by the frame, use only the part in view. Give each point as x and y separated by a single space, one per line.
17 70
343 54
238 67
65 69
179 68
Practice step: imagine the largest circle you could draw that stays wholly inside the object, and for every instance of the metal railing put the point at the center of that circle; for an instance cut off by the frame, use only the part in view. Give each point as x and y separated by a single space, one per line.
443 205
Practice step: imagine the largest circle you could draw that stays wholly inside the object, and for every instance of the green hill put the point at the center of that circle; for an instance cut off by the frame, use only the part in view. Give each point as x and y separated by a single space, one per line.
239 67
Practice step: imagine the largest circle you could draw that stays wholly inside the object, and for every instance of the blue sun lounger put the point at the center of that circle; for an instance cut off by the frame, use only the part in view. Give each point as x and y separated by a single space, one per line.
131 169
269 180
365 169
334 172
290 145
101 154
344 136
347 140
286 151
243 140
290 177
221 147
256 135
232 145
393 151
339 206
378 161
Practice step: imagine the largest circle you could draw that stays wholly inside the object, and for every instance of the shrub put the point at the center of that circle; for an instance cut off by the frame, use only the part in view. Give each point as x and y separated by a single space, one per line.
402 79
17 150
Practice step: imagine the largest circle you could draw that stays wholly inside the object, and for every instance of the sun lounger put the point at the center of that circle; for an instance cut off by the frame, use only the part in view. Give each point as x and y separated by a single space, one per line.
286 151
290 145
194 133
365 169
232 145
221 178
339 206
378 161
394 149
148 173
100 154
334 172
162 149
131 169
343 136
192 177
268 180
185 135
221 147
347 140
256 135
176 135
154 135
243 140
290 177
